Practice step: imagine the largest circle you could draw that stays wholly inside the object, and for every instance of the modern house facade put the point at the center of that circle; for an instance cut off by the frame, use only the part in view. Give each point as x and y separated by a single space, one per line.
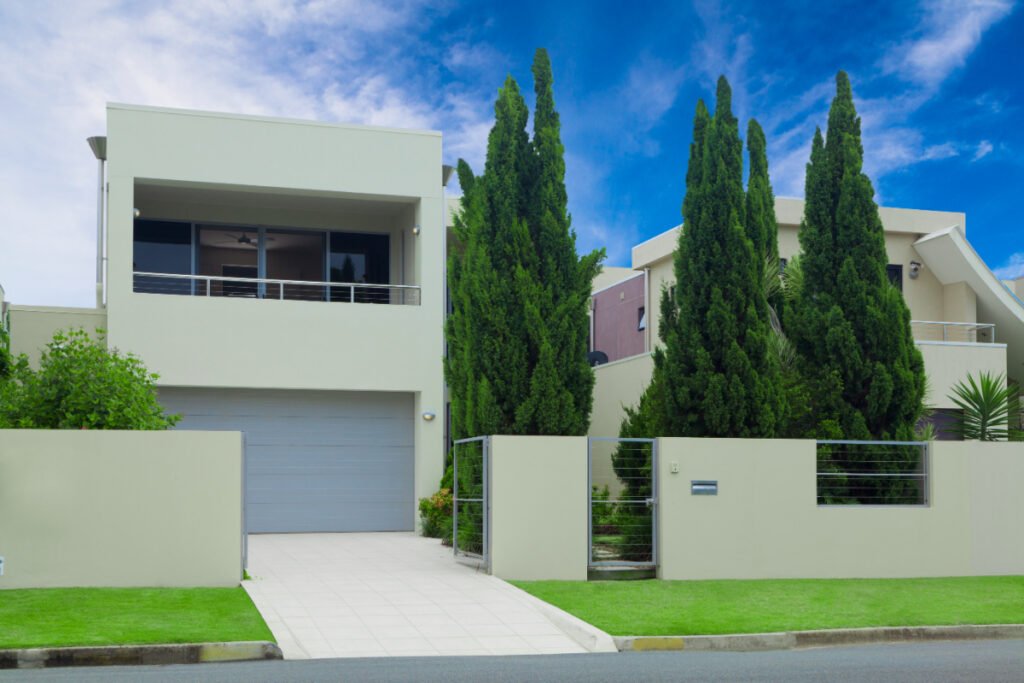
964 319
284 279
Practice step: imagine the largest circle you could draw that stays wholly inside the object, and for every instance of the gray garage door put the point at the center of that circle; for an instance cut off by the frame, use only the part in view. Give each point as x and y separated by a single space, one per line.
315 460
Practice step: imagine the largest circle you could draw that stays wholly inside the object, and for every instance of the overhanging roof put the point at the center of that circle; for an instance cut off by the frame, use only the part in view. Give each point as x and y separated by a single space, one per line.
952 259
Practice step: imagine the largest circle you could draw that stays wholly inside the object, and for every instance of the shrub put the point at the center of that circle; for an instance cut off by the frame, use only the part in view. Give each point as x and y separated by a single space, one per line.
984 406
603 511
5 350
436 515
81 384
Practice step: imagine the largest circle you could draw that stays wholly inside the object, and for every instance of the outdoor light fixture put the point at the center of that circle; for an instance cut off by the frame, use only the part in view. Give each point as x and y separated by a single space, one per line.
915 269
429 417
416 230
136 213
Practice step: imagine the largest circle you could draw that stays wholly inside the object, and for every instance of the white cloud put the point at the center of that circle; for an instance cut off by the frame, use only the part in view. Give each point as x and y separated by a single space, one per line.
984 149
1012 269
61 62
473 57
723 50
948 34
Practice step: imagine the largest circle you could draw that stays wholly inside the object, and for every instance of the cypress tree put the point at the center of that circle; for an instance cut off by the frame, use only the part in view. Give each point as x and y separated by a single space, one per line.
762 227
562 382
715 376
850 326
486 367
517 336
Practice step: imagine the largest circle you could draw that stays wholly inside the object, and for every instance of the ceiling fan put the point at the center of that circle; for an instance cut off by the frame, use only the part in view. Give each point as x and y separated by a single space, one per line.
244 239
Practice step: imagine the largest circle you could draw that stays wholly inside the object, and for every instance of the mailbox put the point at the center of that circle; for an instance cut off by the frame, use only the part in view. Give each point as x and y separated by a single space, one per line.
703 487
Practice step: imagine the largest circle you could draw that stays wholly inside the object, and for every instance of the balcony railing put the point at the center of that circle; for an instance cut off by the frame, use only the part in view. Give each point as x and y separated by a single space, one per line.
938 331
283 290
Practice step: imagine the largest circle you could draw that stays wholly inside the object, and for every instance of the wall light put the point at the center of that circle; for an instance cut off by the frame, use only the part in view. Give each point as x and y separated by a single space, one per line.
915 270
429 417
416 230
136 213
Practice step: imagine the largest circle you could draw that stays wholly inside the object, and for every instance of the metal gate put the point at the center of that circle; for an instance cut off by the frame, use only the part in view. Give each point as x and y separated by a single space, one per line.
471 508
623 495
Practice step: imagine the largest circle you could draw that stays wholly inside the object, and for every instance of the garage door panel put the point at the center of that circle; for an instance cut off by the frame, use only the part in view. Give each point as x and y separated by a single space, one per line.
315 461
312 431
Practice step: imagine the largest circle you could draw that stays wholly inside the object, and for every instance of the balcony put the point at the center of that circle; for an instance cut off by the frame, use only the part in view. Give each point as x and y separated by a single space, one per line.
954 350
953 332
282 290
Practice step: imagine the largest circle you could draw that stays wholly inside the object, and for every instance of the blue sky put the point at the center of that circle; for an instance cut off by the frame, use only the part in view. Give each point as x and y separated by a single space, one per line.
938 85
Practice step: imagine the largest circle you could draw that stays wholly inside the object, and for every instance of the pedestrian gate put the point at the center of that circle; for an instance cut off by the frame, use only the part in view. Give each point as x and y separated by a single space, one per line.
623 494
471 508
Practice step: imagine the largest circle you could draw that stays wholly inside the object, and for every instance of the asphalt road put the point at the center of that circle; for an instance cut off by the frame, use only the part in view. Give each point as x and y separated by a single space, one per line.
931 662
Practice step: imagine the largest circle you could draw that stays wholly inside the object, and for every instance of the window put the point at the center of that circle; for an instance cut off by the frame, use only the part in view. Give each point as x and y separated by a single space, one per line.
229 253
895 274
162 247
641 319
359 258
294 255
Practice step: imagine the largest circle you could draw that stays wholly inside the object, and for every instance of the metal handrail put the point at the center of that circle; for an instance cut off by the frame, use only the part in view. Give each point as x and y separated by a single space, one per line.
265 280
263 283
968 328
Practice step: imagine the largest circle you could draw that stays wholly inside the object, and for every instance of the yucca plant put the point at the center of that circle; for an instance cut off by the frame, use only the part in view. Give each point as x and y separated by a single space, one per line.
985 407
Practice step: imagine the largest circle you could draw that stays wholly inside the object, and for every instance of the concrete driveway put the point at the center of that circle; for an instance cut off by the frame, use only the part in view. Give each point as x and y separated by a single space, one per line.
380 594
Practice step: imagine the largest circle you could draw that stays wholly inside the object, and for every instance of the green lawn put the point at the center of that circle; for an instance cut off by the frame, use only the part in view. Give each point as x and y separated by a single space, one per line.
49 617
648 608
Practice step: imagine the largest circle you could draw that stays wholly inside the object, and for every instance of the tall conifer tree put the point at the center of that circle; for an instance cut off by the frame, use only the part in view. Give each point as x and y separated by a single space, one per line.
762 227
714 375
850 326
517 336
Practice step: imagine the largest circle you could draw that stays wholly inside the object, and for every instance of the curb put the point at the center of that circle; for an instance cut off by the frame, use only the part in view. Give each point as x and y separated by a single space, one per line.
789 640
587 636
116 655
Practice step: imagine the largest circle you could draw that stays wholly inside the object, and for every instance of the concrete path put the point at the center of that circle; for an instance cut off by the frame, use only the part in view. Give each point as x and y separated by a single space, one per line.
389 594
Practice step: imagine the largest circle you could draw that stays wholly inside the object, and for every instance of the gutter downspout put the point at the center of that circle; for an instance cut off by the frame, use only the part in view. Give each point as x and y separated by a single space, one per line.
98 144
649 311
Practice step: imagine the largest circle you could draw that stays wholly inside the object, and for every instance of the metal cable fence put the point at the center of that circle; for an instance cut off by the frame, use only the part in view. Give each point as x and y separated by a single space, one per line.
470 499
623 494
872 472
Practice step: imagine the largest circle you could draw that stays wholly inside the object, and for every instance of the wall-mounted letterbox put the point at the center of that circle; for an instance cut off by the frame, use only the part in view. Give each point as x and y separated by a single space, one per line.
703 487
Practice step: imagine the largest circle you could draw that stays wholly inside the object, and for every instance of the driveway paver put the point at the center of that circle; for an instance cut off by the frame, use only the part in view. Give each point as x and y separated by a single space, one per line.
388 594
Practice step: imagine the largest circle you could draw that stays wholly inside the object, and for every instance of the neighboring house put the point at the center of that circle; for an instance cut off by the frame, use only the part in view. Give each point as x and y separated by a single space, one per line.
964 319
285 279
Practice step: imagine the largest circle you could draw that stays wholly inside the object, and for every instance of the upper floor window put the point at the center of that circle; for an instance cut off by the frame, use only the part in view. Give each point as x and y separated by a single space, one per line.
162 247
641 318
894 272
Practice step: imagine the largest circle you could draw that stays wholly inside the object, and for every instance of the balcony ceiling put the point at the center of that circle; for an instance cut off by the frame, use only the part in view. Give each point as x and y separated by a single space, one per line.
168 192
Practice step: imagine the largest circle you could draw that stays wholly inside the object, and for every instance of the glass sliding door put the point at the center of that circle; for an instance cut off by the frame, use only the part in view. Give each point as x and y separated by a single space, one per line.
360 258
162 247
295 255
231 253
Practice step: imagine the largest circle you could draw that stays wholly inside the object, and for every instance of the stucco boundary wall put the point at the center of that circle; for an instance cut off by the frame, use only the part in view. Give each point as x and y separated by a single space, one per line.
765 522
120 508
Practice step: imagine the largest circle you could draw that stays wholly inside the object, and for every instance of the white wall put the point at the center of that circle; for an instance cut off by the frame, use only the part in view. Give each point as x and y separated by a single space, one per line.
539 507
113 508
33 327
765 521
947 364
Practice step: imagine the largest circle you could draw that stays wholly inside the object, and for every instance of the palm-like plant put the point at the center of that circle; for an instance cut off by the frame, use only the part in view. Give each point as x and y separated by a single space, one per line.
984 406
